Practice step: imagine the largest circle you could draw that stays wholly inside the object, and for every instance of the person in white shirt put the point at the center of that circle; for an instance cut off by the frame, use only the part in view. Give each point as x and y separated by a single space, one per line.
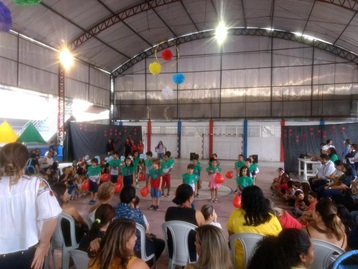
329 144
323 175
29 212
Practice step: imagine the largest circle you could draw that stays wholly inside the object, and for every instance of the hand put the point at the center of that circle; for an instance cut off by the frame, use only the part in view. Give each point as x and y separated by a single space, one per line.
40 253
95 245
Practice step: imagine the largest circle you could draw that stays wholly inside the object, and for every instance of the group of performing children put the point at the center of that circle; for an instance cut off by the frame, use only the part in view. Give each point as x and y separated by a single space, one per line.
157 174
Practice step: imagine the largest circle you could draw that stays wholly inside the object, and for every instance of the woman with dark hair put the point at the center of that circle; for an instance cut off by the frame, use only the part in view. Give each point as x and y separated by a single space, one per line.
184 212
104 215
117 248
62 195
327 225
254 217
332 153
110 146
292 248
339 185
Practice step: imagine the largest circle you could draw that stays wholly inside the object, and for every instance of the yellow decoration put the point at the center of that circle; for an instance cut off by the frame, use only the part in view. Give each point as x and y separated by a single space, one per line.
7 134
155 68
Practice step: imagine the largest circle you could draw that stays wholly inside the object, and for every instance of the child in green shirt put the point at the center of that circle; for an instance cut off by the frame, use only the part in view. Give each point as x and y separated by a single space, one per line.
244 180
191 179
94 175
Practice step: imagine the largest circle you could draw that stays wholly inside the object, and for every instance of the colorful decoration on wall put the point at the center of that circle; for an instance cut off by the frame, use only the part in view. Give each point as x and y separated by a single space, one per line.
27 2
178 78
5 18
167 92
155 68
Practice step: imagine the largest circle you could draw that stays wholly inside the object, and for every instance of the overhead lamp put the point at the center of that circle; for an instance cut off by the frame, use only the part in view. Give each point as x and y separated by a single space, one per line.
66 58
221 32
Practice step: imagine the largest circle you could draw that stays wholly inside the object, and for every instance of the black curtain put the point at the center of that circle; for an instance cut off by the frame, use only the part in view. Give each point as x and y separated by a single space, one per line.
301 140
90 139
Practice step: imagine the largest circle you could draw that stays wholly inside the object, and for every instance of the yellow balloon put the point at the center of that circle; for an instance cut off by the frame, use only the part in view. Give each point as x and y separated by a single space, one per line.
155 68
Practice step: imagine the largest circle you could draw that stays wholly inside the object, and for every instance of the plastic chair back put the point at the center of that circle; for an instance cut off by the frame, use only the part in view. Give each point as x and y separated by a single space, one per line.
342 258
179 231
80 258
324 253
143 251
58 240
248 241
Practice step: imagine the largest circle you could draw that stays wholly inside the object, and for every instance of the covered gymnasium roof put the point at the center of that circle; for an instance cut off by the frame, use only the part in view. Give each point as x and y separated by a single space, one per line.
108 33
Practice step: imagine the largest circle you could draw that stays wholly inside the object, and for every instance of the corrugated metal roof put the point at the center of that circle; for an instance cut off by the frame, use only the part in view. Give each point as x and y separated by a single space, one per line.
145 23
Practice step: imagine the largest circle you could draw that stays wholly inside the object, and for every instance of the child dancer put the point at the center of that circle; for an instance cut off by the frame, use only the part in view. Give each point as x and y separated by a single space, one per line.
128 172
155 178
148 165
240 163
114 165
191 179
197 171
166 165
94 174
244 180
212 170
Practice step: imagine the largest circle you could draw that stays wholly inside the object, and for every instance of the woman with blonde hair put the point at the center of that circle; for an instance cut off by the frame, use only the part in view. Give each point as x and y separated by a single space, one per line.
104 195
212 248
117 248
28 211
327 225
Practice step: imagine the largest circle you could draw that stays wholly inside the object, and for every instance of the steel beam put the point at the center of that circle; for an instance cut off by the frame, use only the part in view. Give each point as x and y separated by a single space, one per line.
61 105
346 4
241 32
119 17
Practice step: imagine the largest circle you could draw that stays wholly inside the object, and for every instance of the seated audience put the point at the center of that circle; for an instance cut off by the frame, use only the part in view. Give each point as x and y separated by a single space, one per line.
117 248
103 217
210 215
184 212
212 248
327 226
61 192
285 219
105 195
254 216
126 209
322 177
292 248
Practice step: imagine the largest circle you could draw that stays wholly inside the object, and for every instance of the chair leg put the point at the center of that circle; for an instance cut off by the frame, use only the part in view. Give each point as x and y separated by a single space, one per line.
65 259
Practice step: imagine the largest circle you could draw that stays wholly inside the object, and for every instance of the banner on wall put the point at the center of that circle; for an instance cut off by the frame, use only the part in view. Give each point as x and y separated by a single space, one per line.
302 140
90 139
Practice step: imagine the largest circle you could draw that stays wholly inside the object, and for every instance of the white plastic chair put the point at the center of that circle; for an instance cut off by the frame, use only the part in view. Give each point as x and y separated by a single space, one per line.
179 231
58 241
248 241
323 253
143 251
80 258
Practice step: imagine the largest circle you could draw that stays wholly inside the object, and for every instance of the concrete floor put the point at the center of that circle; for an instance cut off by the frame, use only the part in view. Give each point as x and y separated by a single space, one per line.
223 207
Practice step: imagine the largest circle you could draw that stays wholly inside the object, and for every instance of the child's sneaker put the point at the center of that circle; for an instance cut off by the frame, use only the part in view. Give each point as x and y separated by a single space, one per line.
156 208
152 207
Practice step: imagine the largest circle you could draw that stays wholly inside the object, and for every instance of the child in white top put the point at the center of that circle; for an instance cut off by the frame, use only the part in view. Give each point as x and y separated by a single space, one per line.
210 215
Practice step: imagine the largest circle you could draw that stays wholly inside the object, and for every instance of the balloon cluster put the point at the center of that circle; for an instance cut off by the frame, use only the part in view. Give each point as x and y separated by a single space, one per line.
155 68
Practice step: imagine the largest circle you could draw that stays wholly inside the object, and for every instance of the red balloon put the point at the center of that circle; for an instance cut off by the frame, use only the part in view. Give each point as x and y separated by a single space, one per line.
118 187
85 185
167 55
219 178
237 201
144 191
105 177
142 177
229 174
119 178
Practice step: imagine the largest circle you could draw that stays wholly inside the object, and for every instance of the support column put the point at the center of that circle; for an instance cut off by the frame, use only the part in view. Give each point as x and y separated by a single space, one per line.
149 135
282 151
245 138
61 105
179 138
211 137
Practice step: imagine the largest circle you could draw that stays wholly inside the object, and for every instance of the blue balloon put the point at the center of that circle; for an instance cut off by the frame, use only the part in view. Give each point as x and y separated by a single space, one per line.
178 78
5 18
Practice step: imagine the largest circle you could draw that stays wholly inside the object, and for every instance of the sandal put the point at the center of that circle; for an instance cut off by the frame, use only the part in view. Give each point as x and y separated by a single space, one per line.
212 200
